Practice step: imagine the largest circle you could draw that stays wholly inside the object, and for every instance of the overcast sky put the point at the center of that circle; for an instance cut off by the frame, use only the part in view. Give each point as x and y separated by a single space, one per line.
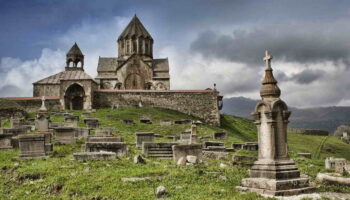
206 41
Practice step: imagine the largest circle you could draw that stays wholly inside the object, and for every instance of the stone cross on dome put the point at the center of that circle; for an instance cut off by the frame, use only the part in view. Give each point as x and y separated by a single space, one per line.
268 57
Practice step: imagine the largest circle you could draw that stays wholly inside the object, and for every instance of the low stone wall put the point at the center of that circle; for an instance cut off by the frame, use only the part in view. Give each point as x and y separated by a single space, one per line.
32 104
308 131
199 103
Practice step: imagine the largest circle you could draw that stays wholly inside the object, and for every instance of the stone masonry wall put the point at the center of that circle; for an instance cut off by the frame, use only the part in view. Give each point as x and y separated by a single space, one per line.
32 104
199 103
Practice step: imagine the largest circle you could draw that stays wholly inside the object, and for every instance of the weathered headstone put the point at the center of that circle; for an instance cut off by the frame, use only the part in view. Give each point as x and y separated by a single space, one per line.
219 135
143 137
186 136
274 173
6 141
64 135
145 120
71 118
165 122
33 146
82 133
43 117
330 162
208 144
193 137
183 150
92 122
120 148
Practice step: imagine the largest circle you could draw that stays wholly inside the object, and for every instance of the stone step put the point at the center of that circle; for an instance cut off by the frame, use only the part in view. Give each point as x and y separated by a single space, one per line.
160 156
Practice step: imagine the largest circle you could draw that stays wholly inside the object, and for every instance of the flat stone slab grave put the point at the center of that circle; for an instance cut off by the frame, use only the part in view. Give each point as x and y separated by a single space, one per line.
120 148
158 150
144 137
82 133
94 156
65 135
105 139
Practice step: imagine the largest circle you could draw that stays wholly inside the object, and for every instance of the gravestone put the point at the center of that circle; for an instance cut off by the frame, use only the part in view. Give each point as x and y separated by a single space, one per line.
92 122
184 150
145 120
143 137
94 156
43 117
71 118
340 166
212 144
186 136
250 146
165 122
306 155
104 131
82 133
120 148
6 141
193 137
105 139
219 135
34 146
274 173
15 123
128 121
64 135
330 162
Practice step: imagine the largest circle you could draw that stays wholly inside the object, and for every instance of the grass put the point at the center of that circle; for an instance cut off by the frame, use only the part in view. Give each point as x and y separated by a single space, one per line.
60 177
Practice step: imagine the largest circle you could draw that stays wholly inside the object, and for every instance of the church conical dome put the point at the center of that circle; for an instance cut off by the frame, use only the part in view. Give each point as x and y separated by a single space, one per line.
269 87
135 29
135 39
75 50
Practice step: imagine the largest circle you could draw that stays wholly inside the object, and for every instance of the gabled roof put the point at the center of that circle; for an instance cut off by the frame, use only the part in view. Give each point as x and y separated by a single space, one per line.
135 29
75 50
107 64
65 75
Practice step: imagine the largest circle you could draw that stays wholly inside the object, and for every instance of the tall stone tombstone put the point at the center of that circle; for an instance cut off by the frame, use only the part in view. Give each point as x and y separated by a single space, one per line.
42 119
274 173
193 139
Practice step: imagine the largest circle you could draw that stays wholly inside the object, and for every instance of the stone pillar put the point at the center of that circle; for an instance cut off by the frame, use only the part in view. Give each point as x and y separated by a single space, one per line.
193 139
273 173
42 119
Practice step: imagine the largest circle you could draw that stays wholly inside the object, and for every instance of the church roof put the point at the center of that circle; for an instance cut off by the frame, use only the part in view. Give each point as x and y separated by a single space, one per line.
135 29
107 64
161 68
75 50
65 75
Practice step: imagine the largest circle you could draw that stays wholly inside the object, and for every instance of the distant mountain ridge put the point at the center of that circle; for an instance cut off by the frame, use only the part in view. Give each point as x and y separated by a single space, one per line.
325 118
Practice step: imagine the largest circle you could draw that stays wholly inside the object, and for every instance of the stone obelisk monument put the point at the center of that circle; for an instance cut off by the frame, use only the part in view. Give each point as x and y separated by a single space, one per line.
274 173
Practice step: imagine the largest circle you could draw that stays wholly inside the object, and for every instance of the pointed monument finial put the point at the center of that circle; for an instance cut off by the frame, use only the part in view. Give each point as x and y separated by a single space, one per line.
269 87
43 107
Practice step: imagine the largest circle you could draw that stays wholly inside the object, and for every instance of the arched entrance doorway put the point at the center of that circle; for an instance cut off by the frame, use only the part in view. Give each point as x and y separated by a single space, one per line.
74 97
134 81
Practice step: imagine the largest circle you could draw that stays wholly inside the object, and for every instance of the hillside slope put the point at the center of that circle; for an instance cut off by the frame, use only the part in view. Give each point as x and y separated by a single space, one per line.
60 177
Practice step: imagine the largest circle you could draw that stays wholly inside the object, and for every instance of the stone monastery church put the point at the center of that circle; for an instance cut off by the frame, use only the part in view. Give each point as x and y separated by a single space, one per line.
132 78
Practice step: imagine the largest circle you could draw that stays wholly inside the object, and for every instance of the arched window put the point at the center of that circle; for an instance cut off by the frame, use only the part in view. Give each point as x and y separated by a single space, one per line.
70 63
79 64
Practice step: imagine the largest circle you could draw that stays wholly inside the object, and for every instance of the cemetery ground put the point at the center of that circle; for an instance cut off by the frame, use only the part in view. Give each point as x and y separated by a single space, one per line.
60 177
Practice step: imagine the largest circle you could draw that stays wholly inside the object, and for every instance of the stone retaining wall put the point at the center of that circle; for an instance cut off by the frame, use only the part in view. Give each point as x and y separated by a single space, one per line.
32 104
199 103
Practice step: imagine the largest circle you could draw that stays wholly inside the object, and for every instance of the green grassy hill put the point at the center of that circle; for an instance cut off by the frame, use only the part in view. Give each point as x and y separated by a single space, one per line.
60 177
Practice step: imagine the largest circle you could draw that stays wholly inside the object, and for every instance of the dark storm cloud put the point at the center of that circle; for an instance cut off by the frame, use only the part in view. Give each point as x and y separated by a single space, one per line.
307 76
302 43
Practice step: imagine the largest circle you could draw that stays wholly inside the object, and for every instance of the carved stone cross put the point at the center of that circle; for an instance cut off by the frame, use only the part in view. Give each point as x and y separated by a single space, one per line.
268 59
